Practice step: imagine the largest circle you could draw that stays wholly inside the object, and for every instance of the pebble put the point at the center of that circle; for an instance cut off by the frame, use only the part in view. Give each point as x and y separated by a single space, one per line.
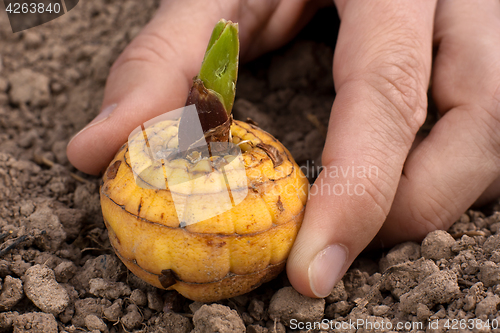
287 304
217 318
42 289
10 293
437 245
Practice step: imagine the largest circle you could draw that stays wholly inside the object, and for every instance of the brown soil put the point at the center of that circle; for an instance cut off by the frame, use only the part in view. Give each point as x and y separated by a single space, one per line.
57 269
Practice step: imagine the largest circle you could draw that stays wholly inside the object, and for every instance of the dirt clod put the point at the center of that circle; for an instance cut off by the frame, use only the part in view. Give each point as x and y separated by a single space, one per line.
107 289
217 318
92 322
440 287
288 304
169 322
10 293
437 245
35 322
42 289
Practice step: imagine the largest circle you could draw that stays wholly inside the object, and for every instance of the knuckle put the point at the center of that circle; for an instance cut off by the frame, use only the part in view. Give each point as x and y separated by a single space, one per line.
434 213
399 81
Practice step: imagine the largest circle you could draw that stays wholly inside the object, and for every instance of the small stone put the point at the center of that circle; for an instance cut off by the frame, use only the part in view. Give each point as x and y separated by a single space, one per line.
35 322
487 306
133 318
92 322
217 318
65 271
11 293
338 293
113 312
42 289
437 245
256 309
489 273
138 297
287 304
108 289
380 310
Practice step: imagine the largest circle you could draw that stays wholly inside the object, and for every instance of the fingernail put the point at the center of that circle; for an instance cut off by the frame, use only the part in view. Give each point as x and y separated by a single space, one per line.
325 269
105 113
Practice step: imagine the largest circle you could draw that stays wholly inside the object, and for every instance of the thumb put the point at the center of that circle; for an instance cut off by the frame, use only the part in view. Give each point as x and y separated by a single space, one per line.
151 76
381 71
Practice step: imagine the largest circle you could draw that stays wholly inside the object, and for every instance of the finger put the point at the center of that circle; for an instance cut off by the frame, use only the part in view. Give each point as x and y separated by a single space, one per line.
490 194
150 77
460 158
381 72
154 73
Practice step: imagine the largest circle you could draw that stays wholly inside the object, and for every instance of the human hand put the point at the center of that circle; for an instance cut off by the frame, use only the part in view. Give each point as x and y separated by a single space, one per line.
154 73
382 67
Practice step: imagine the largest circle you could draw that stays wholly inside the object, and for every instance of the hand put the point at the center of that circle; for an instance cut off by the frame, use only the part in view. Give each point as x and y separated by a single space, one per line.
154 73
381 70
382 66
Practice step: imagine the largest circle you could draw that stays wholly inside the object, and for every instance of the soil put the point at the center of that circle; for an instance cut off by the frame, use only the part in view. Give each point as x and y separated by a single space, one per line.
58 271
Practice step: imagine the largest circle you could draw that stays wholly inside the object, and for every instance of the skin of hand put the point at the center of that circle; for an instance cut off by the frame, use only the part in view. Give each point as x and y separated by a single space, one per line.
382 69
